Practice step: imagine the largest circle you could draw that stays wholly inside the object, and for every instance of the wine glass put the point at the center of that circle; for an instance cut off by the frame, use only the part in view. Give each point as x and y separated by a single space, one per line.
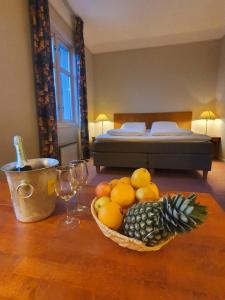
80 171
66 187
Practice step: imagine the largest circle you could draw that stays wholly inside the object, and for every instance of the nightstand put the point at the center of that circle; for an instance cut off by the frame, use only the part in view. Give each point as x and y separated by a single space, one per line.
216 146
91 144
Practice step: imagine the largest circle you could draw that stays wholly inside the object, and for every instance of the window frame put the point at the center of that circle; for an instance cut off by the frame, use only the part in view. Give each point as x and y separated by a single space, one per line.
58 39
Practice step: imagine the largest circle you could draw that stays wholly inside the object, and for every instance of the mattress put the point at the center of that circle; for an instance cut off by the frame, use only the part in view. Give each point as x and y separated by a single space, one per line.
195 137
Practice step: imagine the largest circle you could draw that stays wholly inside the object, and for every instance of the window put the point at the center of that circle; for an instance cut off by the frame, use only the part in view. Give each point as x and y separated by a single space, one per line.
64 80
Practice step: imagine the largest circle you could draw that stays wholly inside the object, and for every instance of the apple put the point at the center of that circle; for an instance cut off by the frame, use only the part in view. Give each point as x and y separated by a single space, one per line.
103 189
101 202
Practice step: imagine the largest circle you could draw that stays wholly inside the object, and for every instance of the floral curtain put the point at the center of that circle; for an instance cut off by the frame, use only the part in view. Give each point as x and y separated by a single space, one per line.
43 74
82 87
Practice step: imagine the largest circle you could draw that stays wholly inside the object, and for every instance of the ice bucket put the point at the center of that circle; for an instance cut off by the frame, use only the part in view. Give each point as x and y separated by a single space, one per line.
32 192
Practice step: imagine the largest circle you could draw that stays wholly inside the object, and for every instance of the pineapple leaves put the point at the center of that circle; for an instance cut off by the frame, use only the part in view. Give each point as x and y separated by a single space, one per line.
188 210
182 213
199 213
154 222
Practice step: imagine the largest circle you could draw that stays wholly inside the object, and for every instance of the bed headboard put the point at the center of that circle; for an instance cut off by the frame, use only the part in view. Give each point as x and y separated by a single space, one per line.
183 118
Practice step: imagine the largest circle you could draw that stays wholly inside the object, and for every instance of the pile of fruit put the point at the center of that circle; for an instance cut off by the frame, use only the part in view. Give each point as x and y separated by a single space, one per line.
133 207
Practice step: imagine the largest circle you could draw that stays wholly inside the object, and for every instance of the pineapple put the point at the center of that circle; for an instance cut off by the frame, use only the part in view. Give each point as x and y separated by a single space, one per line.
155 222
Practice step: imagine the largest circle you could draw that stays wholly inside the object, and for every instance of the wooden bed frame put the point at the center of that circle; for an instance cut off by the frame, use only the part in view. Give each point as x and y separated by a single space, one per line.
182 118
152 155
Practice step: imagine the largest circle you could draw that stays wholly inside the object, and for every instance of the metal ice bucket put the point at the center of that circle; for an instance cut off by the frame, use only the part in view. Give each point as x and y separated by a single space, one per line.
32 192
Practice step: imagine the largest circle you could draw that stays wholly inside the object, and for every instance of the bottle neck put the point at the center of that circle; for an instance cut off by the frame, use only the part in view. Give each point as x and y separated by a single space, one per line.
20 155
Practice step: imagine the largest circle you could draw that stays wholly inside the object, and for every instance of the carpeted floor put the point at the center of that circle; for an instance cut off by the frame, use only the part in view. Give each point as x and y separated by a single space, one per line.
170 180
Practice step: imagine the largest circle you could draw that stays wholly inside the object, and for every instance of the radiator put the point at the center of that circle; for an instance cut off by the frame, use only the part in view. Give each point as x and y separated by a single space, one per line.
68 152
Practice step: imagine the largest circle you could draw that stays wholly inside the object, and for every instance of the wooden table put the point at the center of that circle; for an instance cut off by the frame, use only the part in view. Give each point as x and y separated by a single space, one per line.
40 261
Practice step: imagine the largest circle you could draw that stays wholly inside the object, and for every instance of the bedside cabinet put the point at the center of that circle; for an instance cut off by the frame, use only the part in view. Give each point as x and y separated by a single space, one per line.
91 144
216 146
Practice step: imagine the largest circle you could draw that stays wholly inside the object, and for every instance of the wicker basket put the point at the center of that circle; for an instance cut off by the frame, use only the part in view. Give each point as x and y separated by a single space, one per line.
121 239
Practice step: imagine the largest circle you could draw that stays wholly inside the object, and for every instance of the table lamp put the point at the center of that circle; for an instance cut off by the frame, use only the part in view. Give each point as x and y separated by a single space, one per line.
207 115
102 118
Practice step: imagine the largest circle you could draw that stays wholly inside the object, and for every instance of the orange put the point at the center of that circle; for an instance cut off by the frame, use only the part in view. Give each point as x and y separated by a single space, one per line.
123 194
145 194
113 183
149 192
154 188
140 178
111 215
125 180
103 189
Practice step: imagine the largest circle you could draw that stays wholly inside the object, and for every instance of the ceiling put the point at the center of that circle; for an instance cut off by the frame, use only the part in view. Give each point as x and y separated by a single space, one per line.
114 25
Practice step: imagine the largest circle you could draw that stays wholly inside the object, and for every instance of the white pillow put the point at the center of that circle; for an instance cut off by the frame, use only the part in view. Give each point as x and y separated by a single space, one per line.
164 125
168 129
134 125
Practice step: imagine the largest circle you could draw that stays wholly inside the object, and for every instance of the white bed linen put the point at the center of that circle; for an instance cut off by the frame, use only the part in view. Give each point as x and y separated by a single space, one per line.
126 132
195 137
167 132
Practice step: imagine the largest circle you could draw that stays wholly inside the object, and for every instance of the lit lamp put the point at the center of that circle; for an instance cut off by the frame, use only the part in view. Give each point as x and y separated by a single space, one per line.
102 118
207 115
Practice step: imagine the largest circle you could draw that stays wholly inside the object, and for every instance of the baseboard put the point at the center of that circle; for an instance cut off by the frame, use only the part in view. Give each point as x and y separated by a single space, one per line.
222 159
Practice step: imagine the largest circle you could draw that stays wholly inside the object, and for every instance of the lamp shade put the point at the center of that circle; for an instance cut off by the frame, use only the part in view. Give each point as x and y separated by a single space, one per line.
102 117
207 115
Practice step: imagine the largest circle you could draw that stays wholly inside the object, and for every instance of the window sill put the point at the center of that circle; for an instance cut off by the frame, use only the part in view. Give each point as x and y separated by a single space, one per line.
66 124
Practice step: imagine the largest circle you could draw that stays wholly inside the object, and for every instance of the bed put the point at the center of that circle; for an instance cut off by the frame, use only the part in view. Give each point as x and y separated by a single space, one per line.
154 152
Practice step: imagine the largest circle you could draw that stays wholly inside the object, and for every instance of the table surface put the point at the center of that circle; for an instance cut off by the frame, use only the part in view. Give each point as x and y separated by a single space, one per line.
42 261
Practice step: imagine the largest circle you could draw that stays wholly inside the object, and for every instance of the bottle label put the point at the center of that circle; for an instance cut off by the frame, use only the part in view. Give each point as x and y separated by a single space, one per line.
51 186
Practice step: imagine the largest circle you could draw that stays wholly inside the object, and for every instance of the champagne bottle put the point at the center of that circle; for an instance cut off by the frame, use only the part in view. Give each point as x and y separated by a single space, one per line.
21 162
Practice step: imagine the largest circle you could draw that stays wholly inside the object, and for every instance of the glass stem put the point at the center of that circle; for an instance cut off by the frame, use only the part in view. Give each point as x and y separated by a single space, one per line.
67 212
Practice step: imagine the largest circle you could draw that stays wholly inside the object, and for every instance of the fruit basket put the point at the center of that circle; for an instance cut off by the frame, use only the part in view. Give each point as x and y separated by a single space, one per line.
130 212
123 240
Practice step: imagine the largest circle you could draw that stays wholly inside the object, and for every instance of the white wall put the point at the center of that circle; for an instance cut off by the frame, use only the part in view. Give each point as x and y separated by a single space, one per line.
17 96
220 105
63 10
170 78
